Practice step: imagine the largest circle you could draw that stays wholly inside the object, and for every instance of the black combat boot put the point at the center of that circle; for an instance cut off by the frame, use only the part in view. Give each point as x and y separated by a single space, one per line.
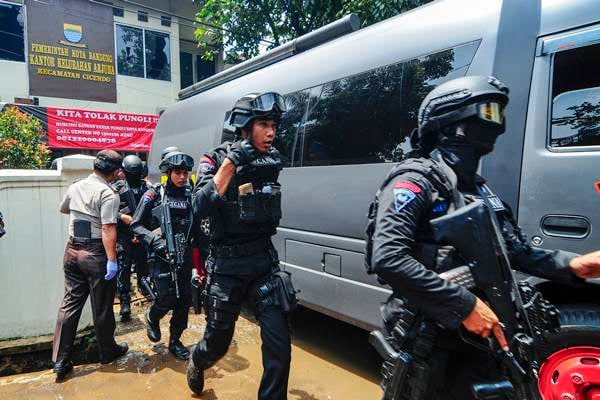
152 328
195 377
178 349
62 368
125 312
118 351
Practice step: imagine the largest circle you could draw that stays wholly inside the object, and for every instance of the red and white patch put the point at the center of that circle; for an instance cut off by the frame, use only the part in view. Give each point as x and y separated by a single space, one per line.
408 185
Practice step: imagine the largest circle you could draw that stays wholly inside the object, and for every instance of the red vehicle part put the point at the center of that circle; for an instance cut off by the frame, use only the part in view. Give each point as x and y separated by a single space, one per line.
572 373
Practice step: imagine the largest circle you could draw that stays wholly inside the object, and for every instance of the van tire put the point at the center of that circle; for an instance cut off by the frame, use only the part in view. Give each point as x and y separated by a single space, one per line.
580 326
579 315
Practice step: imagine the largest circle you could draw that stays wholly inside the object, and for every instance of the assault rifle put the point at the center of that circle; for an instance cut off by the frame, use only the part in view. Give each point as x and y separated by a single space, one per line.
526 317
176 242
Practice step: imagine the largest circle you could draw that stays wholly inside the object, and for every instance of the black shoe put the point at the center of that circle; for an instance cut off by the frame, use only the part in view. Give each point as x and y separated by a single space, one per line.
125 309
195 377
179 350
119 350
152 329
62 368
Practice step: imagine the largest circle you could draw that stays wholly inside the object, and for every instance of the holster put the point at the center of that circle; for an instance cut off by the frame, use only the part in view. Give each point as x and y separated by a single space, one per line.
286 294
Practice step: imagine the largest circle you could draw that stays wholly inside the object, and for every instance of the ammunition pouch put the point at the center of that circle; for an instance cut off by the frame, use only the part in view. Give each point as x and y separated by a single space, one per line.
260 208
163 282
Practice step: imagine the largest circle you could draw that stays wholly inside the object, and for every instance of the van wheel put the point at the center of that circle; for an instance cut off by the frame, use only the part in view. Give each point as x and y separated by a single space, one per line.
572 366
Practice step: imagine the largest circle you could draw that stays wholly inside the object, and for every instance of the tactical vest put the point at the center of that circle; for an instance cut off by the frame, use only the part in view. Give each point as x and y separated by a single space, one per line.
253 199
444 182
179 203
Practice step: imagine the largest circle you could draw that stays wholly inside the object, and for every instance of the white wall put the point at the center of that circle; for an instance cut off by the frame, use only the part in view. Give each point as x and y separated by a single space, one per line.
31 252
14 81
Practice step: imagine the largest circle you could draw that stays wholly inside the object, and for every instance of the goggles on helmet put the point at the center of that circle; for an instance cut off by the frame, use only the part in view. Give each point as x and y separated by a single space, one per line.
266 102
488 112
491 112
177 161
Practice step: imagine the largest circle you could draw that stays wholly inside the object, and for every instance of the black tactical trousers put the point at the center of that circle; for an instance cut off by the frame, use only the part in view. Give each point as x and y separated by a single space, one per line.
226 293
129 253
167 298
456 366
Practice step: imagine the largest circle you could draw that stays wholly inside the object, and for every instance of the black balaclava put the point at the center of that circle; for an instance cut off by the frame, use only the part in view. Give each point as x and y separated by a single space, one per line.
463 150
133 180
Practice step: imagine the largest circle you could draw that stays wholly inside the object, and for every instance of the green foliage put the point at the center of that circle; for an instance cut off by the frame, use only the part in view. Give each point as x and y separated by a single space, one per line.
21 141
249 23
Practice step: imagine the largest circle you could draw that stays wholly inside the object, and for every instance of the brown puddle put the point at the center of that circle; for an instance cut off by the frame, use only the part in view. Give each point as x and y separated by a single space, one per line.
330 360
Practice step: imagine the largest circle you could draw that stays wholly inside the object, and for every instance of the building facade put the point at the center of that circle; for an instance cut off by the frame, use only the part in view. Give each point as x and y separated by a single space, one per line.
114 56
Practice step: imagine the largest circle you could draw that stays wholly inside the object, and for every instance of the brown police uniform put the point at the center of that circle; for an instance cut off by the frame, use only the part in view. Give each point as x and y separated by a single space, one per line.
90 203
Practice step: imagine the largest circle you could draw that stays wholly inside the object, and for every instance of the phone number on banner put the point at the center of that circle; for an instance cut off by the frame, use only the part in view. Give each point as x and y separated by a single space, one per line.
86 139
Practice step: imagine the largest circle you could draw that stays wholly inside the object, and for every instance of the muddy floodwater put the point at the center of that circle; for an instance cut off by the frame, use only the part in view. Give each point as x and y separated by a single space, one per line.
330 360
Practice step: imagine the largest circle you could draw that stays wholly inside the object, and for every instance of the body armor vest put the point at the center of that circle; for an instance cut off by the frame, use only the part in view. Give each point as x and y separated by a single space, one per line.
253 199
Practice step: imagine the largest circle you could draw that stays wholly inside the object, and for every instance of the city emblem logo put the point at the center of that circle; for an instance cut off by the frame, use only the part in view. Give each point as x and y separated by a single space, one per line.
73 33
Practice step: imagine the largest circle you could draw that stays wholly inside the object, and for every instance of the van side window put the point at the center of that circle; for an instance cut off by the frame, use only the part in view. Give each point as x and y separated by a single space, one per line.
576 98
288 139
367 118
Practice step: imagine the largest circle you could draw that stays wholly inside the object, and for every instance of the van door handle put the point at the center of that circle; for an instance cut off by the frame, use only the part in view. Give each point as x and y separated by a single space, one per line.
567 226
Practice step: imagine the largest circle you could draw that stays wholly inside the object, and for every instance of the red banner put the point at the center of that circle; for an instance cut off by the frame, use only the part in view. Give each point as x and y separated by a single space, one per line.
85 129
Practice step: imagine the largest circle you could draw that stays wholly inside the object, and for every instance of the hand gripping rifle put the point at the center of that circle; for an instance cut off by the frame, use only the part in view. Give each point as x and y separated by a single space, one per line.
526 317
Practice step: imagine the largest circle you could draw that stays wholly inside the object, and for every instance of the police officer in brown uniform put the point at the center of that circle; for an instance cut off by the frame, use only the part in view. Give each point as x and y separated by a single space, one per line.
90 262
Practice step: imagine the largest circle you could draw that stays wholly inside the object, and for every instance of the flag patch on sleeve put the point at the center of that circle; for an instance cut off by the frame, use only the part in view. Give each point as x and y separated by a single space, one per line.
404 193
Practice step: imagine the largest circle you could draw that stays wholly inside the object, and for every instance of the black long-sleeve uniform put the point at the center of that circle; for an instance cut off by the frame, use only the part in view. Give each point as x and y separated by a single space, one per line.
406 206
143 224
406 256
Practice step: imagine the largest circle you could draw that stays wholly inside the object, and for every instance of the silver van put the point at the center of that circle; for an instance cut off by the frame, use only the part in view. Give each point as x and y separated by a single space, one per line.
353 101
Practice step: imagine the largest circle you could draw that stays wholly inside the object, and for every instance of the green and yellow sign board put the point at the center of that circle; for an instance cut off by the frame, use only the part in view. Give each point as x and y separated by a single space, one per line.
71 50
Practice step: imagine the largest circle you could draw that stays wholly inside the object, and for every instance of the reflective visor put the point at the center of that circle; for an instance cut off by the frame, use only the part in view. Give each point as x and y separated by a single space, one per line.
267 101
180 160
491 112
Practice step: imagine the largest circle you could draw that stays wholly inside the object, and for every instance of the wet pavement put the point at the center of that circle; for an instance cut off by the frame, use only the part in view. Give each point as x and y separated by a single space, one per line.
330 360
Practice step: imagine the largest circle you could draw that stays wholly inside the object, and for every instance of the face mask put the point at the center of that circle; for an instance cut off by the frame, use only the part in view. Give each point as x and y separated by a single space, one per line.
481 137
463 158
133 180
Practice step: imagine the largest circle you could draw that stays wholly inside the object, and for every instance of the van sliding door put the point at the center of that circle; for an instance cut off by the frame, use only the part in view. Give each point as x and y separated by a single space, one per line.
559 201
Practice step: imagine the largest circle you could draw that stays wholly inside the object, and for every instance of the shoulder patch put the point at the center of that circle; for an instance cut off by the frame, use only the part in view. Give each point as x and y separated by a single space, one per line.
206 165
404 193
148 197
413 187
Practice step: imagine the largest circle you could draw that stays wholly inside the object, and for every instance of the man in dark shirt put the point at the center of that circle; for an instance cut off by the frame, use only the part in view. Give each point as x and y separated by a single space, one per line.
237 190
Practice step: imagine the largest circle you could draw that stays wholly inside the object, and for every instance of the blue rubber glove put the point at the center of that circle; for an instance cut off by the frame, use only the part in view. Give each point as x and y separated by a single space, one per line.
111 270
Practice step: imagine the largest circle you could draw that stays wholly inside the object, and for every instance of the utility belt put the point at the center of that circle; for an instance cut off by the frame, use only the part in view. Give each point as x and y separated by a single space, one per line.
239 250
84 241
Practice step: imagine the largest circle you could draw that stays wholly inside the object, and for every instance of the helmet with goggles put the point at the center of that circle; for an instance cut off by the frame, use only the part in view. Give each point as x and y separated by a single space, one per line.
477 99
268 105
176 160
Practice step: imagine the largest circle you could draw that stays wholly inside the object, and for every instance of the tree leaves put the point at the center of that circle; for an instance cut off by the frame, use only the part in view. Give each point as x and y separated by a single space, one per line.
248 25
21 141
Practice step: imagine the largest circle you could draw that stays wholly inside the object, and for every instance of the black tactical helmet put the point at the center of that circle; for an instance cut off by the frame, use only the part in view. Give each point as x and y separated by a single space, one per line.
132 164
107 161
477 98
176 160
167 150
257 105
144 169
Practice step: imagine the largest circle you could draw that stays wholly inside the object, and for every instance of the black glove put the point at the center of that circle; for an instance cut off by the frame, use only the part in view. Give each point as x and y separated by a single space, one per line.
242 152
